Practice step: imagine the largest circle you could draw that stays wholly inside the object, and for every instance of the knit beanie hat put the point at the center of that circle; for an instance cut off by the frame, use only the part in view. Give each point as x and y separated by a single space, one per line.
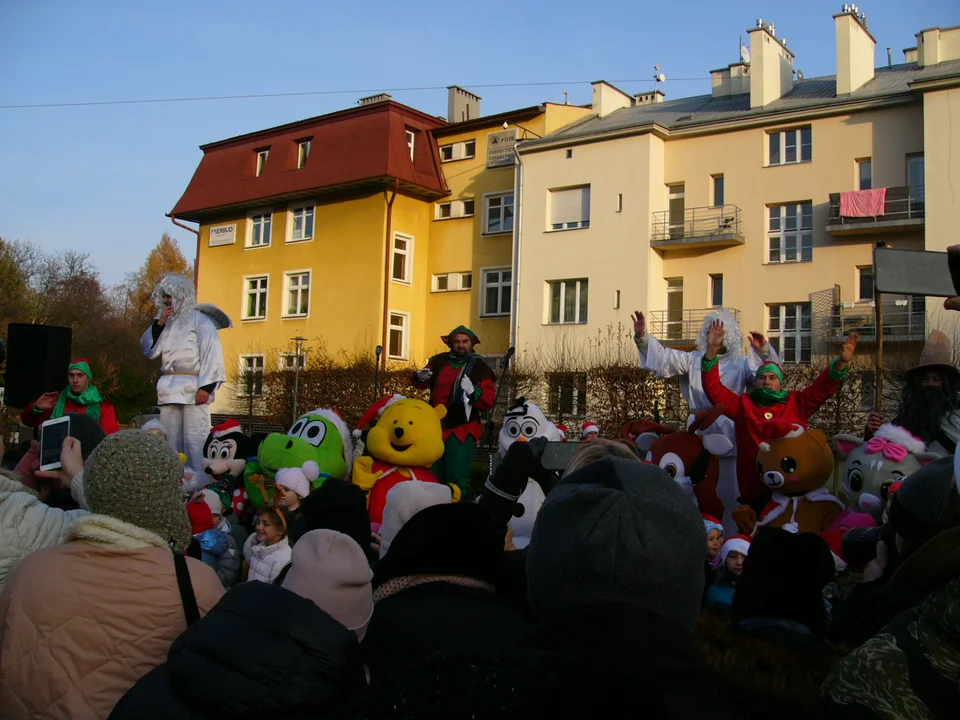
298 479
710 523
404 501
735 543
134 476
201 519
217 500
339 505
330 569
617 531
155 425
87 431
926 503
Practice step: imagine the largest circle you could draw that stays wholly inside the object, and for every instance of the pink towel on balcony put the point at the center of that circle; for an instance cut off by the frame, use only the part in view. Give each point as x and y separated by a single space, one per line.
863 203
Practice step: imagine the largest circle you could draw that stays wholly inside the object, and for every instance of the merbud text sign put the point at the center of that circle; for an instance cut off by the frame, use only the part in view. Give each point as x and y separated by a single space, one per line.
223 234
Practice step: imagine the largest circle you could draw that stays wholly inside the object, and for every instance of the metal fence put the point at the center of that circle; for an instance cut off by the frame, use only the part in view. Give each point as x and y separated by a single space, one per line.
698 222
902 203
681 325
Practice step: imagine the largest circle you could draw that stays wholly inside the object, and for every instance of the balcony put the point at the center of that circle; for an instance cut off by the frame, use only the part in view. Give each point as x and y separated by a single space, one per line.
903 321
903 210
680 328
701 227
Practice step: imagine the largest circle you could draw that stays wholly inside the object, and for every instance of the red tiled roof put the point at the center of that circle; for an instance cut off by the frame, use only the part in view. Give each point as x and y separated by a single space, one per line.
364 144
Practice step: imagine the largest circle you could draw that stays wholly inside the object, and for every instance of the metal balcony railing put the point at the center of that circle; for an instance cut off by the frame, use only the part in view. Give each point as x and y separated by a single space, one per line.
902 203
901 322
681 326
708 223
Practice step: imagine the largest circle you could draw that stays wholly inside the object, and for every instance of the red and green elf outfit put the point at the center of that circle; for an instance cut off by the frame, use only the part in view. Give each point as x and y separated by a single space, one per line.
461 426
89 402
752 410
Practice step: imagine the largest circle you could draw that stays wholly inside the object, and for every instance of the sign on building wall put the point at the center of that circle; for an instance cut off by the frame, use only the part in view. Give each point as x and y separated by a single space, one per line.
500 148
223 234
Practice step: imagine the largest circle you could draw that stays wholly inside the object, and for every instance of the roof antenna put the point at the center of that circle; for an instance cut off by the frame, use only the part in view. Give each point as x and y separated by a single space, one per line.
658 77
566 98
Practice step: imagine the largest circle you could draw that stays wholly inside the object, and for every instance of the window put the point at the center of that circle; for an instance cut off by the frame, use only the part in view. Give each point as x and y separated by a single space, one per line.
402 258
260 229
718 190
499 214
864 174
568 394
297 294
255 298
790 332
454 209
619 202
787 147
458 151
397 349
674 308
676 205
569 154
716 290
915 172
262 156
568 301
303 152
790 233
251 376
288 361
496 289
570 208
868 390
301 227
865 283
411 141
451 282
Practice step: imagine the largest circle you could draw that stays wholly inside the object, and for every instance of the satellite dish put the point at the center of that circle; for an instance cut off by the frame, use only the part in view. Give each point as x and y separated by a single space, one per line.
799 74
505 124
660 78
744 54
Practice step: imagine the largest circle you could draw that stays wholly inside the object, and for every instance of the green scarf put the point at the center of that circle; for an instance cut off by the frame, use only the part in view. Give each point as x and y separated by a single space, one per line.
89 399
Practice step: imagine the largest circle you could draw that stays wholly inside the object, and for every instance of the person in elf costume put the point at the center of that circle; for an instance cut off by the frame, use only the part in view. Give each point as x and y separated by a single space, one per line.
767 402
79 396
461 381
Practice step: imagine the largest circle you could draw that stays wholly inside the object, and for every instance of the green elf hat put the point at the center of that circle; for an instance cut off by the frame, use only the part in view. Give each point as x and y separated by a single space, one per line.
460 329
83 365
771 367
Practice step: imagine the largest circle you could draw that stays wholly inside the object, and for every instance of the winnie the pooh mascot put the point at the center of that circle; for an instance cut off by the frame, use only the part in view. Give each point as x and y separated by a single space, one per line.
405 441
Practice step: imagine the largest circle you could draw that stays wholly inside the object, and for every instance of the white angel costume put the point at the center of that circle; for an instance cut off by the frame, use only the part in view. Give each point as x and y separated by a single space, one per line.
191 358
737 372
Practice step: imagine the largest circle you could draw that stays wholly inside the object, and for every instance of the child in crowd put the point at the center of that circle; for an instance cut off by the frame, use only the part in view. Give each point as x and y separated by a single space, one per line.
714 543
267 551
720 595
217 549
293 485
219 503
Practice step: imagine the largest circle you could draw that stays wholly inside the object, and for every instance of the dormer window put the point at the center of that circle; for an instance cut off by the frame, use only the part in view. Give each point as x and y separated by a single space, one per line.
262 156
411 141
303 152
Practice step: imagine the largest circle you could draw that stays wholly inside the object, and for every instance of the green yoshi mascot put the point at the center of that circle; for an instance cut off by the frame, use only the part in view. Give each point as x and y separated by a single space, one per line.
320 435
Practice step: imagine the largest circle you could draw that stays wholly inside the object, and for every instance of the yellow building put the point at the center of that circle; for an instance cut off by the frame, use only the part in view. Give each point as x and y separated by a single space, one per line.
343 230
734 199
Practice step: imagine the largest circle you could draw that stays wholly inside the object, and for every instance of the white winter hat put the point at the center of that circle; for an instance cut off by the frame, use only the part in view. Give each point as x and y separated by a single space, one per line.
404 501
213 501
298 479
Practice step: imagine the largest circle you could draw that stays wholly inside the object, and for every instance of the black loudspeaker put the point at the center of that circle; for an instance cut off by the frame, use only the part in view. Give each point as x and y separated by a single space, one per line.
37 361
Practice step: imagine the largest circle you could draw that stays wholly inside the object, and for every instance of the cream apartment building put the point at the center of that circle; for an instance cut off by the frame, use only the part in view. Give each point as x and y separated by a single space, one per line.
733 199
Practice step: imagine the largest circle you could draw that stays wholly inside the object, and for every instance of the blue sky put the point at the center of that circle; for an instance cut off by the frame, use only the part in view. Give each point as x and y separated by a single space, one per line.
100 179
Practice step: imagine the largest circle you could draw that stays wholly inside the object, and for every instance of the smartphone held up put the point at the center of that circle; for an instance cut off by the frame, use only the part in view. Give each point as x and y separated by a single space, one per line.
52 435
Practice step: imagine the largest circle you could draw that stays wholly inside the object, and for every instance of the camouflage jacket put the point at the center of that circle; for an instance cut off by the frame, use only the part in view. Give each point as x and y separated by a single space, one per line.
910 669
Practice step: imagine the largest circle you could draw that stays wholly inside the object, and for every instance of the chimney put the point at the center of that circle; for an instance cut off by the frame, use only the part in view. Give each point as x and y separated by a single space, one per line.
856 49
937 45
607 98
373 99
771 65
910 55
462 105
731 80
649 98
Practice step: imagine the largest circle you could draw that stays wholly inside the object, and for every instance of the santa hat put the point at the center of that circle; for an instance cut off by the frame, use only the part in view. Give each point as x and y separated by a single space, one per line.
711 523
405 500
588 427
777 429
563 431
334 416
834 539
228 427
214 501
374 412
902 437
201 519
736 543
298 479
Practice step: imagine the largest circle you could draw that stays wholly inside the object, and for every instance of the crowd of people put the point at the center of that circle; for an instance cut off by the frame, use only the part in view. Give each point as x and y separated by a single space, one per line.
128 591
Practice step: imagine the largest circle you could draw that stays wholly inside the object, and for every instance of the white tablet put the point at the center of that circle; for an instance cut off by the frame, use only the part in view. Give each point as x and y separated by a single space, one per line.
52 435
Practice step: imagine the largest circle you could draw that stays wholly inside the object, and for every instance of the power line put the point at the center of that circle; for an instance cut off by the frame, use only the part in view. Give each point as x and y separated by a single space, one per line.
208 98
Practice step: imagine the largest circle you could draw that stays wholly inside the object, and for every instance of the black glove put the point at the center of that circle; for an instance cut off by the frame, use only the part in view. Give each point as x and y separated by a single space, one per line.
506 485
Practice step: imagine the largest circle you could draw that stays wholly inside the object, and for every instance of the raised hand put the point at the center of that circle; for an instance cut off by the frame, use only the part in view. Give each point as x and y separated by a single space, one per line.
639 324
715 334
849 348
757 340
47 401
